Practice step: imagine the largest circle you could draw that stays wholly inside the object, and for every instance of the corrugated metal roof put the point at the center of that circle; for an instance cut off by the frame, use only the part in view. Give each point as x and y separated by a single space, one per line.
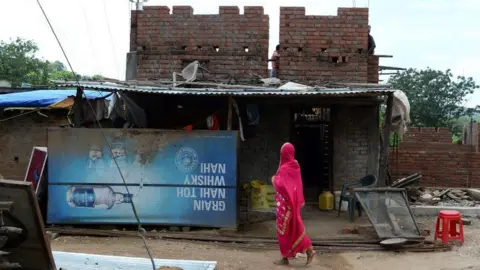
232 92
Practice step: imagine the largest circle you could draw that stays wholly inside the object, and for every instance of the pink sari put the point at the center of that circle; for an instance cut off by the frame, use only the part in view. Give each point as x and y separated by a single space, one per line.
291 234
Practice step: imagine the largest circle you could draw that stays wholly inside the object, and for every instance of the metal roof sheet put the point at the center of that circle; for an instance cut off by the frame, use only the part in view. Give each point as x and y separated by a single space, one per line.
232 92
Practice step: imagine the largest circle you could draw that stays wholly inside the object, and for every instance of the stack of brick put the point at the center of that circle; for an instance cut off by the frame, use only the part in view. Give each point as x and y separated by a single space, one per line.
319 49
228 44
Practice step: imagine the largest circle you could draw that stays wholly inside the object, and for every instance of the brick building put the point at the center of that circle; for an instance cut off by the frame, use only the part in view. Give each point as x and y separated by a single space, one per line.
343 144
315 49
337 145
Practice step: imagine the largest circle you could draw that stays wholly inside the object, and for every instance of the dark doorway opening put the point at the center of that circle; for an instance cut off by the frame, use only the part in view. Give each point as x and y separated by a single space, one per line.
311 135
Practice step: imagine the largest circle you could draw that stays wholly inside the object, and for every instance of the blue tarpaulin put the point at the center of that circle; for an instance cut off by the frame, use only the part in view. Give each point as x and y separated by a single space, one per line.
44 98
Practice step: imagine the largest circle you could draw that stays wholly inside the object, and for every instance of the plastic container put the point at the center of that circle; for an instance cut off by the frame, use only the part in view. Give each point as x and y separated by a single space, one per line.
262 196
326 201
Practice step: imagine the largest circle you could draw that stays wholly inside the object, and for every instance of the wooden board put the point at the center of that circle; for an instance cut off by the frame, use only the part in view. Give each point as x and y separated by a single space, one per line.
35 252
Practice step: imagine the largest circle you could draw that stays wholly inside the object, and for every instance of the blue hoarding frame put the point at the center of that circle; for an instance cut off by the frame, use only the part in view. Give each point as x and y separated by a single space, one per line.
230 140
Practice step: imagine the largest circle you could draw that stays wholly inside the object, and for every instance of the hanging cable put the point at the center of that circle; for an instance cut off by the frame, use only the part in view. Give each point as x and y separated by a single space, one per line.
111 38
88 30
19 115
140 229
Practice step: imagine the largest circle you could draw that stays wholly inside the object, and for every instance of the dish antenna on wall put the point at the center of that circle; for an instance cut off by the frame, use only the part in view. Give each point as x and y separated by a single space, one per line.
189 73
138 4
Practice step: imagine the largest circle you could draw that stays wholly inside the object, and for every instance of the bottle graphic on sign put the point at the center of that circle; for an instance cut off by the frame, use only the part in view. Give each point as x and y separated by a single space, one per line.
98 197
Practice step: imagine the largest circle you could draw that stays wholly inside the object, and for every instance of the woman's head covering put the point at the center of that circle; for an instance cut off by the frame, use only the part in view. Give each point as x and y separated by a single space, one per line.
287 153
287 156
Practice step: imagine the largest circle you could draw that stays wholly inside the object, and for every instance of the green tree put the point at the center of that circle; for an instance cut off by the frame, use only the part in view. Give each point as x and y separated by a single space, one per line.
436 97
18 61
18 64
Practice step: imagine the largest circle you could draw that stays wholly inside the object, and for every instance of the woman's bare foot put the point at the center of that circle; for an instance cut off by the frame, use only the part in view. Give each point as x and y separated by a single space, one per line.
310 254
283 261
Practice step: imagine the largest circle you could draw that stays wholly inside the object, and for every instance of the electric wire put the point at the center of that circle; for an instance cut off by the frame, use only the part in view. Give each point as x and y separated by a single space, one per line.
140 229
19 115
111 38
85 18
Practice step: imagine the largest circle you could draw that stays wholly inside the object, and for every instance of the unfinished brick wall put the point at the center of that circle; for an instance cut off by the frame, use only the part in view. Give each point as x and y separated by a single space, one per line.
227 44
430 151
17 138
372 69
438 168
431 139
319 49
429 135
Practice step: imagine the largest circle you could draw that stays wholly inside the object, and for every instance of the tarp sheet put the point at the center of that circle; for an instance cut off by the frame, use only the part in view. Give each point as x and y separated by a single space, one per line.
44 98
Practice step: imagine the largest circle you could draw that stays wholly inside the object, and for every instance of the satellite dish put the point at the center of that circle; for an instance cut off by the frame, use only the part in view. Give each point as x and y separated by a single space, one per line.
189 73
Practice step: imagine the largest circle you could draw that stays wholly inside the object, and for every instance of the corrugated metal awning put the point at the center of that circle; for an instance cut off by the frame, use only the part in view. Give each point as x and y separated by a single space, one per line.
348 92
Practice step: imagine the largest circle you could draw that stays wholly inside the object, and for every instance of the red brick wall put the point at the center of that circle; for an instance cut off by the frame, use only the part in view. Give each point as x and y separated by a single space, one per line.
429 135
430 151
17 138
372 69
169 41
438 168
318 49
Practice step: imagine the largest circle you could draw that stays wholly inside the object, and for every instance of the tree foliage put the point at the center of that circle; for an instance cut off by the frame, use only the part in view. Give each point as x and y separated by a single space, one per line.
436 97
19 64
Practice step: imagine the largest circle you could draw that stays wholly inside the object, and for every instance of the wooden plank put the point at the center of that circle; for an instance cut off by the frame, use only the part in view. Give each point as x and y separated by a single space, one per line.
35 252
385 146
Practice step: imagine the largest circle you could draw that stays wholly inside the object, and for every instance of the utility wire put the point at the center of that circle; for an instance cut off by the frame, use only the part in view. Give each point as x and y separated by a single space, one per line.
140 229
111 38
19 115
88 30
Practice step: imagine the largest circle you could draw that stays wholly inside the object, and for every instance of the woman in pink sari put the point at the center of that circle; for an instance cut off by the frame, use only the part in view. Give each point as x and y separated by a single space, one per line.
291 234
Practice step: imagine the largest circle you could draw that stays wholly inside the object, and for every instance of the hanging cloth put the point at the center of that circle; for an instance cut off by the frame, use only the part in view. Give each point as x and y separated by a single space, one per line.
235 106
253 115
213 123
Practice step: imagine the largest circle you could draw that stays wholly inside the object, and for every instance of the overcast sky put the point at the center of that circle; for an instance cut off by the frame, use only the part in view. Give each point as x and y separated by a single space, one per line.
441 34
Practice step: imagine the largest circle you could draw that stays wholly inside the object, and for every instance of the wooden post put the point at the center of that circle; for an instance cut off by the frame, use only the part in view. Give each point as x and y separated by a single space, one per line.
78 108
229 119
387 122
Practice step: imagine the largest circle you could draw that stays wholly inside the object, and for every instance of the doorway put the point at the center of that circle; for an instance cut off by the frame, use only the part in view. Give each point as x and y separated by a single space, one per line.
311 135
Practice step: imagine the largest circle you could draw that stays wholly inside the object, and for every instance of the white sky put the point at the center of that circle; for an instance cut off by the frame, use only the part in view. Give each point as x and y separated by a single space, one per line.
419 33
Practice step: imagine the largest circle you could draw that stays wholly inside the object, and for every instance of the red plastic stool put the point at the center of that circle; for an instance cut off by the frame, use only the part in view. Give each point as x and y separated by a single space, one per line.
447 220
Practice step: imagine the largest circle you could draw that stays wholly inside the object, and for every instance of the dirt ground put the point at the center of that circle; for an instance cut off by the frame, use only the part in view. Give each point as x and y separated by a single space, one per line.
465 257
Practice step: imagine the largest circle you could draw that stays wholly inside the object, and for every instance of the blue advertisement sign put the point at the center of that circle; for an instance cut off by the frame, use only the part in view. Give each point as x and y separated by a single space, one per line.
173 177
